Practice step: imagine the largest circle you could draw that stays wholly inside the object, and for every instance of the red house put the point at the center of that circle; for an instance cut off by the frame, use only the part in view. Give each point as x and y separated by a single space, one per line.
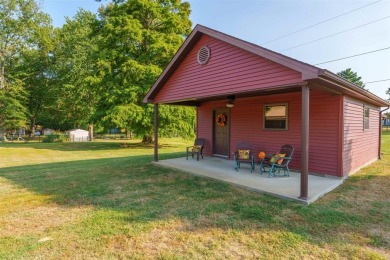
333 124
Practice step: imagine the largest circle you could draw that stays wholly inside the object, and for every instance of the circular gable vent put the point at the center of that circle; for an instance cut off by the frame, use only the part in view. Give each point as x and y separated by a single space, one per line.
203 55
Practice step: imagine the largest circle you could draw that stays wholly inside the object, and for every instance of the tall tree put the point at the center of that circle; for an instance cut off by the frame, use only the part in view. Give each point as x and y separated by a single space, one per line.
20 23
75 56
138 39
351 76
12 105
39 80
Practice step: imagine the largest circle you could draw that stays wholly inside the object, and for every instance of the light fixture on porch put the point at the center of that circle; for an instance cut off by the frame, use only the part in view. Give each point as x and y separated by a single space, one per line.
230 101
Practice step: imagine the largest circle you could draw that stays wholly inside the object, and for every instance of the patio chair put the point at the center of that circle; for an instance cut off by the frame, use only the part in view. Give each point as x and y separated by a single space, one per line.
244 154
197 148
278 161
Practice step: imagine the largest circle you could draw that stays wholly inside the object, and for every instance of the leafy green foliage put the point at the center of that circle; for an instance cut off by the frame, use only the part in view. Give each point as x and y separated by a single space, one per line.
54 138
74 61
37 64
12 106
22 26
95 70
137 40
351 76
177 121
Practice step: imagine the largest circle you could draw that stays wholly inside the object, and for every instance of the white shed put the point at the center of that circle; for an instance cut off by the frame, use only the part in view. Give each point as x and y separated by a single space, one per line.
79 135
47 131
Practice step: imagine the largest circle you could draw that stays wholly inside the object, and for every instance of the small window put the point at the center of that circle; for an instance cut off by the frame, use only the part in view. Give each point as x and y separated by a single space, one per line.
275 116
366 118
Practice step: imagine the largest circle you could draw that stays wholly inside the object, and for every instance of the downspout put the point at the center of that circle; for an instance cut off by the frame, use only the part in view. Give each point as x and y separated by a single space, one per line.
380 132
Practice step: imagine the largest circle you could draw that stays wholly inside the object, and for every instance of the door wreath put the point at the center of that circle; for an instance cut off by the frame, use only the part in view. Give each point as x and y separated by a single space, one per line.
221 120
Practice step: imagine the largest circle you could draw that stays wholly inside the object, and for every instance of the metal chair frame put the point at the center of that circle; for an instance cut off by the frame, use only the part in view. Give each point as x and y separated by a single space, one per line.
286 149
238 161
197 148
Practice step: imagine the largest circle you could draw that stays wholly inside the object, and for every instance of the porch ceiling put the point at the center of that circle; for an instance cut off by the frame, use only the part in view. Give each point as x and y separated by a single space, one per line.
324 83
282 187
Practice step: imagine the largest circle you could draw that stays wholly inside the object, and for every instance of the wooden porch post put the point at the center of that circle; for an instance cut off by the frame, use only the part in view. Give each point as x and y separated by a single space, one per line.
305 141
156 132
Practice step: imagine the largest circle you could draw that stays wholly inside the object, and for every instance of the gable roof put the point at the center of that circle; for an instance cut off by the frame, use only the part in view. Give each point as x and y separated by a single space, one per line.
309 72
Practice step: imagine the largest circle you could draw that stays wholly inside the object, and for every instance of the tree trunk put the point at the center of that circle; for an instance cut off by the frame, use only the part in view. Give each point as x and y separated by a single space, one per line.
128 133
2 74
147 139
32 127
90 130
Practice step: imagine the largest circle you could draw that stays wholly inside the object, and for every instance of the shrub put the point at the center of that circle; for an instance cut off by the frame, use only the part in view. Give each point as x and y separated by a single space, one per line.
54 138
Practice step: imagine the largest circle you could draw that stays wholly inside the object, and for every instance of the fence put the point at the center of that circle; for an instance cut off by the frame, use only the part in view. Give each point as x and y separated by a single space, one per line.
78 138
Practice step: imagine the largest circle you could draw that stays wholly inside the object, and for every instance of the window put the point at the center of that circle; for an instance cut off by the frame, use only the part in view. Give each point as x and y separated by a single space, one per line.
275 116
366 121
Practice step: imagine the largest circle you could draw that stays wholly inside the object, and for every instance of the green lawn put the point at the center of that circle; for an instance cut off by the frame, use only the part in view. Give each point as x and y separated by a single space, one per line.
97 200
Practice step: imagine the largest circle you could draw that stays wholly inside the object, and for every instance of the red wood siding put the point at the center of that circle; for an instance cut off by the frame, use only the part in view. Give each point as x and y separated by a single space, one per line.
360 146
229 70
246 122
324 133
247 125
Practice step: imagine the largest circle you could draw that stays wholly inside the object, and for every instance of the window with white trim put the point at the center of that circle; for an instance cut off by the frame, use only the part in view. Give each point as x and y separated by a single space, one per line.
275 116
366 120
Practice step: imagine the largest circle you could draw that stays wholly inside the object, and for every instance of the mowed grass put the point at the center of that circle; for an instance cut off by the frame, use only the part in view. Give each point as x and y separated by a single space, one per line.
97 200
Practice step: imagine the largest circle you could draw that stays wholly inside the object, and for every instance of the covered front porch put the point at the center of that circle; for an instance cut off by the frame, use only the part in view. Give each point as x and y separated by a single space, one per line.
282 187
244 84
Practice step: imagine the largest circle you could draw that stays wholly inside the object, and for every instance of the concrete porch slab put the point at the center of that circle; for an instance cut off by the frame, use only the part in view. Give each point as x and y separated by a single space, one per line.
282 187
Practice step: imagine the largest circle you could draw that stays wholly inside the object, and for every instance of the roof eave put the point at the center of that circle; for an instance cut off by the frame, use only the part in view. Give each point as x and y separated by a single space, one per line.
354 89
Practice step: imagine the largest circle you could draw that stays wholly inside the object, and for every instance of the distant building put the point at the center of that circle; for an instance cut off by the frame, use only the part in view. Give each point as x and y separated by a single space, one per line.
385 121
78 135
47 131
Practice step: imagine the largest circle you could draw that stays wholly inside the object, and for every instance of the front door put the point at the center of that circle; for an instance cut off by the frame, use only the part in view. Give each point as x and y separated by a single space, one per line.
221 123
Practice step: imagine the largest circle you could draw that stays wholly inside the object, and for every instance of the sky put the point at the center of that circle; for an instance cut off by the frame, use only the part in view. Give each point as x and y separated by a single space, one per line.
261 22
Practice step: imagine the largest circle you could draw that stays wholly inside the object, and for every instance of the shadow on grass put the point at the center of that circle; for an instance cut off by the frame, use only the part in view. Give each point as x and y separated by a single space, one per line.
134 183
83 146
141 193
